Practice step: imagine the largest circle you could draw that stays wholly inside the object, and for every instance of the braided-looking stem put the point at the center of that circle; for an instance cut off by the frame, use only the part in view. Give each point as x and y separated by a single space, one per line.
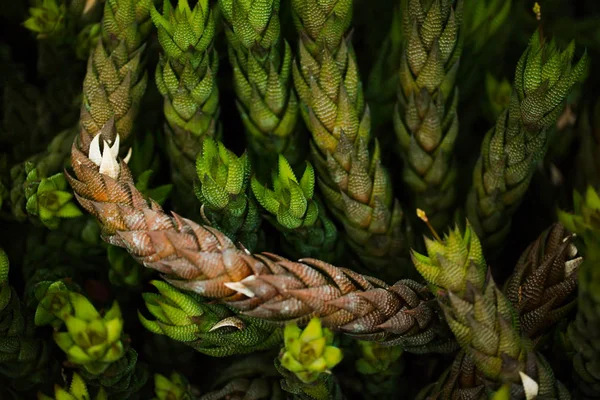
201 259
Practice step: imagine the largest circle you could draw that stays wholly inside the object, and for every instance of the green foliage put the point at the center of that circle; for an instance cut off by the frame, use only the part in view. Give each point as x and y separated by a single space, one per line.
585 219
483 18
186 77
176 387
498 93
208 328
124 270
186 72
262 64
453 262
290 201
222 140
511 150
309 352
48 198
222 191
583 332
426 121
47 19
294 210
377 359
78 390
91 340
54 303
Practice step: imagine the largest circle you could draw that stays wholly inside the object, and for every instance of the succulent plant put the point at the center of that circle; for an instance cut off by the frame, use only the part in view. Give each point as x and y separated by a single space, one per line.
309 352
91 340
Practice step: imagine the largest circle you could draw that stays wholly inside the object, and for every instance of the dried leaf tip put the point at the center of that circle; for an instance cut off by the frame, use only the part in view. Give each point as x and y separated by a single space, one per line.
423 216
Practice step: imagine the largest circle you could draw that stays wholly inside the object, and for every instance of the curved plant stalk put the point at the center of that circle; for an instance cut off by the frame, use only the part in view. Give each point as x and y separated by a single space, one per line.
202 259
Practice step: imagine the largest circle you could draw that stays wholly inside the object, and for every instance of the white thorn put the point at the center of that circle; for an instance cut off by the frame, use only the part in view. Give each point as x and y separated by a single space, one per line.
128 156
229 321
572 265
572 250
95 154
109 165
115 147
531 387
240 288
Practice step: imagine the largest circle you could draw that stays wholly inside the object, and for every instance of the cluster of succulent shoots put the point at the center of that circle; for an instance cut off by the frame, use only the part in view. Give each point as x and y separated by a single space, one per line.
258 222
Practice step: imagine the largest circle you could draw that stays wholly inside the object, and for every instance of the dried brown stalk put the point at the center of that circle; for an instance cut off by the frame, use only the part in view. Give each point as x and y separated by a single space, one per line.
201 259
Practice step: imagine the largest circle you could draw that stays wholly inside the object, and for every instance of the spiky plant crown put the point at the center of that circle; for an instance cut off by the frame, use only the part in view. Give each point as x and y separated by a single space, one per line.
290 201
482 318
186 77
223 192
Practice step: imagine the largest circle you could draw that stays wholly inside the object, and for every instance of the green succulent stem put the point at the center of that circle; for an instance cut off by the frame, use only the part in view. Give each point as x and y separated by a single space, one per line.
262 65
223 190
511 149
356 186
186 77
426 120
116 78
482 318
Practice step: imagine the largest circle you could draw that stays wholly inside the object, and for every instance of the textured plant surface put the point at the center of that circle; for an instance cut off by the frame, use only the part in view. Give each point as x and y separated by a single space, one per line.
426 121
356 186
262 78
511 150
186 77
248 224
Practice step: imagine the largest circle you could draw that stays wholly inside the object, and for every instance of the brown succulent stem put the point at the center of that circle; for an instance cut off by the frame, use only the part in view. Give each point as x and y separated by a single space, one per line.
201 259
